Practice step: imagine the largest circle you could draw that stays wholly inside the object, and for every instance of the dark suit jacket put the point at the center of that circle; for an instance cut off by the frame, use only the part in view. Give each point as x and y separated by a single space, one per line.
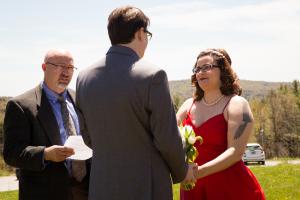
30 126
132 126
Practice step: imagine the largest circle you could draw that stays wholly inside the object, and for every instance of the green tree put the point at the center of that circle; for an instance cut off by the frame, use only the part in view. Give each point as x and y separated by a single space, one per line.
177 101
295 85
285 119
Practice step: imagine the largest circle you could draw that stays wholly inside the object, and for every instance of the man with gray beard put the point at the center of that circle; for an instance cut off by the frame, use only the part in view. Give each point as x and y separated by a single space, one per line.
36 125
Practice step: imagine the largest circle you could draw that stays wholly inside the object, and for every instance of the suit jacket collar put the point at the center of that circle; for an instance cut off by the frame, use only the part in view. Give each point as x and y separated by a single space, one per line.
38 95
119 49
46 115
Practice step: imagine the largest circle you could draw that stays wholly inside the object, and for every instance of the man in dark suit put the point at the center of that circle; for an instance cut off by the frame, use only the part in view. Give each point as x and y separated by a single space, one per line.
130 118
35 129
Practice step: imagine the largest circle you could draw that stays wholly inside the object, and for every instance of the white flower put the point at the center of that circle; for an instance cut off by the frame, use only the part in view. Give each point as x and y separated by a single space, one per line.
192 139
189 129
181 131
180 128
189 138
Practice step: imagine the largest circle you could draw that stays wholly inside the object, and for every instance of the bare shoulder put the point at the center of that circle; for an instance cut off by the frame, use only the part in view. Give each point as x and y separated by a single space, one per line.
183 110
187 104
238 107
238 100
240 120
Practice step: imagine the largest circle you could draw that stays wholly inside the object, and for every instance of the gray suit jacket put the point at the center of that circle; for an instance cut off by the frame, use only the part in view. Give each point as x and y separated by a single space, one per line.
132 128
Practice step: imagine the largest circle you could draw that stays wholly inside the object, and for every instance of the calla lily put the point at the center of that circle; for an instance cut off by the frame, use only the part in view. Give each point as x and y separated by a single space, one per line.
192 139
189 129
189 138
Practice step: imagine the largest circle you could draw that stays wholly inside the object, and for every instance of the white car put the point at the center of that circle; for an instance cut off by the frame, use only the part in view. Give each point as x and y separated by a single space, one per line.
254 153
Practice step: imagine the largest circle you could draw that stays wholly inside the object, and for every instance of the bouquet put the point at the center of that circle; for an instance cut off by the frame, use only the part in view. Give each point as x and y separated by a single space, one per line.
189 138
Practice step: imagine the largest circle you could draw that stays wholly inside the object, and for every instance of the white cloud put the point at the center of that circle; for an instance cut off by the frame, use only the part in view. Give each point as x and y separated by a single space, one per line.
261 18
261 38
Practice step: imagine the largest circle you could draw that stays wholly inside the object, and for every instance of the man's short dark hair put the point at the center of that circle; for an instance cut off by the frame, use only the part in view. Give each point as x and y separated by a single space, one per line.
123 23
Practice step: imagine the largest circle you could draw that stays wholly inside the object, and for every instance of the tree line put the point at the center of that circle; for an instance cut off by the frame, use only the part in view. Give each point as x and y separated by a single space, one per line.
277 120
277 124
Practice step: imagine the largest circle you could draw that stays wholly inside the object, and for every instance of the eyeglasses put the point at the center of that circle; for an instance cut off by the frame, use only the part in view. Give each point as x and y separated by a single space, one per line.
203 68
69 68
149 34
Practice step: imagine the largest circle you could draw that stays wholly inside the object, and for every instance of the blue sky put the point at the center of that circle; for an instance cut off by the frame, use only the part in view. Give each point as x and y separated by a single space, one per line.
261 36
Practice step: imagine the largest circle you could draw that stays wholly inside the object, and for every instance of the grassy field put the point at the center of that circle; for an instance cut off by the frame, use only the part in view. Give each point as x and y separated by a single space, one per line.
11 195
5 170
280 182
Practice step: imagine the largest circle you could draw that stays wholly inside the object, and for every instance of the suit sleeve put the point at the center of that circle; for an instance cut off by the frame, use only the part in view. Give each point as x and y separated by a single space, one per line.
17 150
164 127
83 128
82 122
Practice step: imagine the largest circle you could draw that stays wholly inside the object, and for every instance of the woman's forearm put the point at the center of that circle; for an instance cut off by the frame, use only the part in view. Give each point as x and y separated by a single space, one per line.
223 161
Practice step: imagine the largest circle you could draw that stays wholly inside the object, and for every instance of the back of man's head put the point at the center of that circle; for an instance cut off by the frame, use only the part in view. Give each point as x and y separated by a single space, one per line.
123 22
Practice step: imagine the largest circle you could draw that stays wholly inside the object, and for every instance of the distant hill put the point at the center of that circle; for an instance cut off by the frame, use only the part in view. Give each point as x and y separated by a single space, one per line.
183 88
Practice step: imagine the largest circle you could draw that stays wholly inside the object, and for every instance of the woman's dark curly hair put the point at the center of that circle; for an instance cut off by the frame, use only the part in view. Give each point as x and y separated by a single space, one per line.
229 79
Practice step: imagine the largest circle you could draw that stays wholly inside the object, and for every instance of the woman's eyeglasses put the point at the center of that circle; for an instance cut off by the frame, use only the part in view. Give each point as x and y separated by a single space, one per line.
203 68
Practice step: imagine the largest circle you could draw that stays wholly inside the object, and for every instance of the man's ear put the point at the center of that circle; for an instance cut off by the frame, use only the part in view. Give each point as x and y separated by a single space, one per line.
138 34
44 67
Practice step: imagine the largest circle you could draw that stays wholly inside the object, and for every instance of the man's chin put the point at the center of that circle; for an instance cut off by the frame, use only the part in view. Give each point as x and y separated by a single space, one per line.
62 86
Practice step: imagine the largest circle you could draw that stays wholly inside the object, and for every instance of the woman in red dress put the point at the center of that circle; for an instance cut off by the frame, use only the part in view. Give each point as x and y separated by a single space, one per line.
224 120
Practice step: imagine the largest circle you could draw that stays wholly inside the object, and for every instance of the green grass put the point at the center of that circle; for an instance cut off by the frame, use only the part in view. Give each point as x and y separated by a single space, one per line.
6 173
5 170
280 182
11 195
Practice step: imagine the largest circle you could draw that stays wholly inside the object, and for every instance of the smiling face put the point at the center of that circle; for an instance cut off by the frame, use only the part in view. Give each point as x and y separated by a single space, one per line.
213 72
208 77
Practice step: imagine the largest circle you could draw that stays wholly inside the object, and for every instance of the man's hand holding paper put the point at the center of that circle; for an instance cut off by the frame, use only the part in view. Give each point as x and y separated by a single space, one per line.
82 152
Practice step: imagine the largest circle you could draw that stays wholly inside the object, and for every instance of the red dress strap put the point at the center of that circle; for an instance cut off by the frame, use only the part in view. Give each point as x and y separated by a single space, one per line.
188 114
191 106
226 104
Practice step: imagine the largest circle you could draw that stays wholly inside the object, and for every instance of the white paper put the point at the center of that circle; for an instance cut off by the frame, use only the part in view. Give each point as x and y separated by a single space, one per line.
82 152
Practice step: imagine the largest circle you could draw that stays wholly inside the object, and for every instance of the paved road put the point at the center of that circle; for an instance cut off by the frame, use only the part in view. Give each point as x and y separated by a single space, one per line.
8 183
276 162
11 183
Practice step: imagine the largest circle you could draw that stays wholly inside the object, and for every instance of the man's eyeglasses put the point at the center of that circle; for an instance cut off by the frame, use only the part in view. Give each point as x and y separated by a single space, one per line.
69 68
203 68
149 34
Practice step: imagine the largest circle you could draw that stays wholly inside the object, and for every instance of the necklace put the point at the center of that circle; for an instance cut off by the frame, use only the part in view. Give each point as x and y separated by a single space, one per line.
213 103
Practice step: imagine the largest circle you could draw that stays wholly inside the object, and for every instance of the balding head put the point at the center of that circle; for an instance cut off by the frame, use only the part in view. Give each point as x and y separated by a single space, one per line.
54 53
58 69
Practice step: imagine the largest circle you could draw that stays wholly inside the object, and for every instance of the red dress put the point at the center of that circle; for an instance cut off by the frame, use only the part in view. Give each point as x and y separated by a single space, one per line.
234 183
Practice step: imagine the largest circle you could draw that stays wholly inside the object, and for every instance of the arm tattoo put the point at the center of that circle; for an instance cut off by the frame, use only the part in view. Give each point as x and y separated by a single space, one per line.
246 119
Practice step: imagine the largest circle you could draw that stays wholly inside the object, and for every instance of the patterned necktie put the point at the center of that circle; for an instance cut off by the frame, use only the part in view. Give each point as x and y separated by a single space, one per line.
78 166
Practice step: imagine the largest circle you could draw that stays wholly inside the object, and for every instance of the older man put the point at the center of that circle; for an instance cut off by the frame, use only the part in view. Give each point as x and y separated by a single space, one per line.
36 125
